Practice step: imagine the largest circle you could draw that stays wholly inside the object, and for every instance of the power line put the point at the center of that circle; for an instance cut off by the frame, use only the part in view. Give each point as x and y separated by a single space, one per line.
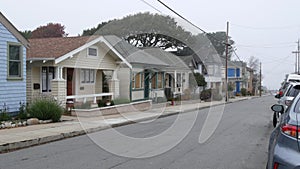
176 13
266 28
265 47
151 6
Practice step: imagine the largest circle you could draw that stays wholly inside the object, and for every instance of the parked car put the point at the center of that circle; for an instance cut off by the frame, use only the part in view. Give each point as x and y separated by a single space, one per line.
284 143
292 78
290 92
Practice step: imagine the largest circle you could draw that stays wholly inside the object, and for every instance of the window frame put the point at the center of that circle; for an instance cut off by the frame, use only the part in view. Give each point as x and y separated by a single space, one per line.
48 80
92 47
157 83
87 76
20 61
136 80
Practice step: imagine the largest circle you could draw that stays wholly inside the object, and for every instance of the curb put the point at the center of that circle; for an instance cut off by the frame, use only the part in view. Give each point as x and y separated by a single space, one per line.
8 147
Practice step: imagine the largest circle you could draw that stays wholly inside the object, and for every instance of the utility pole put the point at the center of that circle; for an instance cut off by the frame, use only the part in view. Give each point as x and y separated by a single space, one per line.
260 85
297 62
298 56
226 64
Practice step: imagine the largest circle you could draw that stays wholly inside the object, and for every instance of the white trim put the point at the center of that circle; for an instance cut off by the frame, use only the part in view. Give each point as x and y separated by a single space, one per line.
116 52
94 96
99 39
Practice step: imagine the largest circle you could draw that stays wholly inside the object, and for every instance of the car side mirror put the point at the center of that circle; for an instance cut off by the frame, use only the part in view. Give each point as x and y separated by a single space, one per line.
277 96
277 108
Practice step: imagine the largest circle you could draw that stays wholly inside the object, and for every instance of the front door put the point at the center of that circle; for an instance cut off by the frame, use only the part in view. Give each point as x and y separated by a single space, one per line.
70 75
147 85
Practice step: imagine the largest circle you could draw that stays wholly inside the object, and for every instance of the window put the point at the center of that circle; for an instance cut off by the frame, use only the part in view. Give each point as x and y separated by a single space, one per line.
231 72
157 80
138 80
47 75
14 61
87 76
160 80
153 81
238 73
92 51
293 92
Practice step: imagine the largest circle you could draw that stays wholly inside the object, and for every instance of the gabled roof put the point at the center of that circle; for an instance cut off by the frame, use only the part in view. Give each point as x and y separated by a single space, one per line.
13 30
132 54
55 47
189 61
61 48
167 57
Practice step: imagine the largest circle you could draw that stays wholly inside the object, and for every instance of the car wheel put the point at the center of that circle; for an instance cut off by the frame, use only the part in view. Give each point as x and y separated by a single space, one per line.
275 120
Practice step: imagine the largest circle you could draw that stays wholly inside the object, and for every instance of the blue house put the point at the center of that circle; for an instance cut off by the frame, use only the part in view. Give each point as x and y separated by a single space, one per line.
12 66
236 72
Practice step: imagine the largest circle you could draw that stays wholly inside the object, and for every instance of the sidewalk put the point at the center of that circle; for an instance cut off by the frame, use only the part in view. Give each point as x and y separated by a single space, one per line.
21 137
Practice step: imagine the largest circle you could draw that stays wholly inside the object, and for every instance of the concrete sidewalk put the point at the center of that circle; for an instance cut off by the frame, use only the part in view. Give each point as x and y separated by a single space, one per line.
21 137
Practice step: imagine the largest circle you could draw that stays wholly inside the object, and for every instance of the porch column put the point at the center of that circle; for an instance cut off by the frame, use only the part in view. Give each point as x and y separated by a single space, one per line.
114 85
175 81
59 73
59 91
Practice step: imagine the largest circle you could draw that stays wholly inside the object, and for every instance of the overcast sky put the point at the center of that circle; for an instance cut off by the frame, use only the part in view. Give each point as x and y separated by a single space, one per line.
265 29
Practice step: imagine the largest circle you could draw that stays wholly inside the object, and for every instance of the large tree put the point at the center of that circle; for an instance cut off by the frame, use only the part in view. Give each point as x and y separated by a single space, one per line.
218 40
146 30
26 33
253 64
49 30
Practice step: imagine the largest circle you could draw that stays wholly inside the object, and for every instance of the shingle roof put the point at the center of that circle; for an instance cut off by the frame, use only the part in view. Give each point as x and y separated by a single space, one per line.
167 57
55 47
132 54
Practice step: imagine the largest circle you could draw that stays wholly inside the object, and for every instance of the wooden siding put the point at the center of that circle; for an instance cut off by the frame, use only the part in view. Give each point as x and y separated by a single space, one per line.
81 60
11 92
124 77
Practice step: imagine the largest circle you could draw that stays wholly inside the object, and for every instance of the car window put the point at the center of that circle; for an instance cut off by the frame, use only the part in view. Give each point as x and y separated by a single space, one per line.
287 90
297 106
292 92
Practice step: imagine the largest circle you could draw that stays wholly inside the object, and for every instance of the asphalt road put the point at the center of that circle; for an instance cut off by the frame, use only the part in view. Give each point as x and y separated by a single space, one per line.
240 141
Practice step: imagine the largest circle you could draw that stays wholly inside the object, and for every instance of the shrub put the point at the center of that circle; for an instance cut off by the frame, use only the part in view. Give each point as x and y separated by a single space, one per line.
205 94
46 108
23 111
103 103
243 91
4 116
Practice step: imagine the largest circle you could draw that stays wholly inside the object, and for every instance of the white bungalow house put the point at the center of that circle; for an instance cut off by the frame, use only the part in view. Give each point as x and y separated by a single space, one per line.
72 68
12 66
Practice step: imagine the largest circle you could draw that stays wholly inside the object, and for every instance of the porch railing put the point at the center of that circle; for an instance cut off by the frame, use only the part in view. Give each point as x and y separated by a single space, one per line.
84 97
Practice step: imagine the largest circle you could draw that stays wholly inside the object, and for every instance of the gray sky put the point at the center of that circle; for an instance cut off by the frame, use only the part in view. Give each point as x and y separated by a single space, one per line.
265 29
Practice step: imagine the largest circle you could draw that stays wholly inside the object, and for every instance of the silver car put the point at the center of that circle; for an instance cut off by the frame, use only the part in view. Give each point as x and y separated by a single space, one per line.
284 144
290 92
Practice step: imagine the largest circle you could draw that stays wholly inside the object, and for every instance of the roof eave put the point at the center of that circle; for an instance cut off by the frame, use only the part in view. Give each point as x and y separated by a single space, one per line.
13 30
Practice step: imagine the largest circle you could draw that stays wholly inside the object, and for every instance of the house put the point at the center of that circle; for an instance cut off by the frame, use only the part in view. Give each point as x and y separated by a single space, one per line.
155 74
236 73
145 80
177 73
13 48
73 69
249 77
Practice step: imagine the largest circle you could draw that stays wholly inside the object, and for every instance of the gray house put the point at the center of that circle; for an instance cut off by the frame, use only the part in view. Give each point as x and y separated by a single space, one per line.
12 66
155 74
